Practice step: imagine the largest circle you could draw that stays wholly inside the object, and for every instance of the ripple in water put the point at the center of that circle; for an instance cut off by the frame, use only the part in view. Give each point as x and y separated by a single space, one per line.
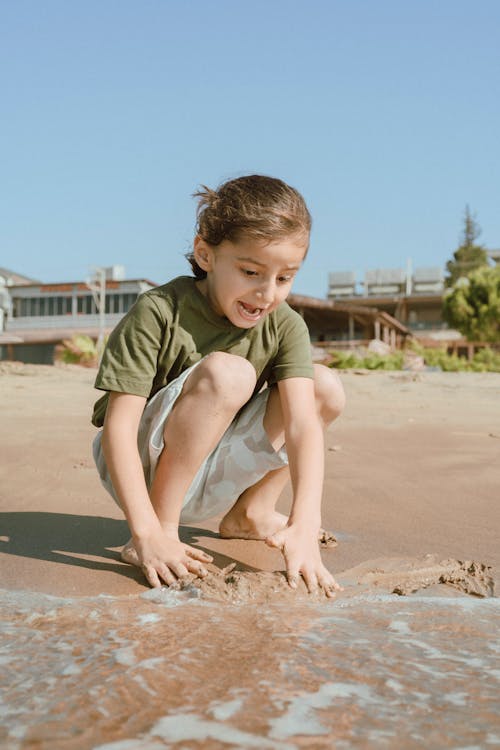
170 670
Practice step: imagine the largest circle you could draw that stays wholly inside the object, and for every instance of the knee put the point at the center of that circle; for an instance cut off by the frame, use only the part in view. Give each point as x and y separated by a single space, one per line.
226 378
329 393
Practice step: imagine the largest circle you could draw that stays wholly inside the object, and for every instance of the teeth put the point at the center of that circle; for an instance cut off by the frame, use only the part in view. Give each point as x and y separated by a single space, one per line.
255 312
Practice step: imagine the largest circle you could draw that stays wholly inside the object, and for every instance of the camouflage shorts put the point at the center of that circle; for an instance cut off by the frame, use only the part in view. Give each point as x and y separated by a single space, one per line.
243 456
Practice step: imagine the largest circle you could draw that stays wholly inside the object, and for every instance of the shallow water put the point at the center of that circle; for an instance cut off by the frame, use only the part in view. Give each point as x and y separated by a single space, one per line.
167 669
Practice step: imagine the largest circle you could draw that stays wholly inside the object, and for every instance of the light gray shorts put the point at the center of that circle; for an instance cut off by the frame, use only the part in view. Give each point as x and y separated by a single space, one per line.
243 456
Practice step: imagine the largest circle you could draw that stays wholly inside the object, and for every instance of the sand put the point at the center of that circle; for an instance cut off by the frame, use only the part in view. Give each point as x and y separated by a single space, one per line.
412 468
404 657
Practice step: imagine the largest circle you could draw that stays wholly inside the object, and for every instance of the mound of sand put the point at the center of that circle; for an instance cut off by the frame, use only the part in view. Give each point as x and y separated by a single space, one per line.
247 587
408 576
391 576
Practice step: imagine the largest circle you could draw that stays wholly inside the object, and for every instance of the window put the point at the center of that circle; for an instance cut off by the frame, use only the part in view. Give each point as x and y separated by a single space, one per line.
113 303
86 305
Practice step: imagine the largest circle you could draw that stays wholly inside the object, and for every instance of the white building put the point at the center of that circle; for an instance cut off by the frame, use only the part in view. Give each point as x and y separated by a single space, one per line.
40 316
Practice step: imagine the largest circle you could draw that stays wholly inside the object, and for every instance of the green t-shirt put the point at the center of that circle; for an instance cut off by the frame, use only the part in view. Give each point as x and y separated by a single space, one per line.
171 327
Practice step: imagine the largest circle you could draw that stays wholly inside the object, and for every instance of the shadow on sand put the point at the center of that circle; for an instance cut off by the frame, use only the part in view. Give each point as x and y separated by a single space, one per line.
71 539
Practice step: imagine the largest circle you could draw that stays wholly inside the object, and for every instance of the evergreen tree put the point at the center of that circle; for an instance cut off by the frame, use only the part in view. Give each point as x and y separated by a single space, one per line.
473 305
469 255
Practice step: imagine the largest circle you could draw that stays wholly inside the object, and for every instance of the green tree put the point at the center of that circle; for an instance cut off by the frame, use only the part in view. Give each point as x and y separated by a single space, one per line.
473 305
469 255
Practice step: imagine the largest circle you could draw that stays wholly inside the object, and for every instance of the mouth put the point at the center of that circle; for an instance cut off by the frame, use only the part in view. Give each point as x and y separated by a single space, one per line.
249 312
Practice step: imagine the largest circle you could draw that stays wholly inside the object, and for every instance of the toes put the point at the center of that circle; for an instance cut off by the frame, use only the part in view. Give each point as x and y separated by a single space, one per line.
275 540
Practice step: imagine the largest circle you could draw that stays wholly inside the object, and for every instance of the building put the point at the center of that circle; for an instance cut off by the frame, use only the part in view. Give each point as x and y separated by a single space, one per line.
40 316
346 324
414 299
11 278
7 279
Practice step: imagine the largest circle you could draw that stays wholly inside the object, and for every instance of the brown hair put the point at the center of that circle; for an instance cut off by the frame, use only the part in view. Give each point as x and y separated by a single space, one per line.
254 206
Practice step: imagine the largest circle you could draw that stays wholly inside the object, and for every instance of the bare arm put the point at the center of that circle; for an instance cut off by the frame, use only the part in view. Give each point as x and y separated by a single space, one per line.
304 443
305 448
161 555
119 444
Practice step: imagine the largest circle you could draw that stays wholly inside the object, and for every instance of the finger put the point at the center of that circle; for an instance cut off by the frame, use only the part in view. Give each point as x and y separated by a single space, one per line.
151 576
327 586
196 568
178 569
311 581
293 578
198 554
166 575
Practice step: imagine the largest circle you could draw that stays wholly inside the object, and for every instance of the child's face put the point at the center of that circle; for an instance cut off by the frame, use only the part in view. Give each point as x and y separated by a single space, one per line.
247 280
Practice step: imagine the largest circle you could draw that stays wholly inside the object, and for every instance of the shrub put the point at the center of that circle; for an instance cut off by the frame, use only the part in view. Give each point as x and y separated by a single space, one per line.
485 360
78 350
370 361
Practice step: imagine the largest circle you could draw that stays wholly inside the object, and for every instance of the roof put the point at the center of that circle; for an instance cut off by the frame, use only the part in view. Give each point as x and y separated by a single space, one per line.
16 279
63 285
329 306
301 300
48 335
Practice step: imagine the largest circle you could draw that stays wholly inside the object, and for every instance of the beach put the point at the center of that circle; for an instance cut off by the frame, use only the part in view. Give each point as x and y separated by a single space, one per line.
405 655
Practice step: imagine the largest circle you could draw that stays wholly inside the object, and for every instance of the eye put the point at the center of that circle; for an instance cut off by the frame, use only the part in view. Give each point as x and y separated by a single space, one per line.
284 279
248 272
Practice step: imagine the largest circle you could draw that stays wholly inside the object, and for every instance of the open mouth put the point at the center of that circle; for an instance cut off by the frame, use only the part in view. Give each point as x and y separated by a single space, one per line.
249 311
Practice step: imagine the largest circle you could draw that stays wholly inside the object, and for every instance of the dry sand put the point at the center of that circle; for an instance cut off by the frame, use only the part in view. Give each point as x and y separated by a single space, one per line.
412 469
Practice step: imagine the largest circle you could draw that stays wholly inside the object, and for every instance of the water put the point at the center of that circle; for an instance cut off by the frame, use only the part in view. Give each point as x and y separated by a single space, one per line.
171 670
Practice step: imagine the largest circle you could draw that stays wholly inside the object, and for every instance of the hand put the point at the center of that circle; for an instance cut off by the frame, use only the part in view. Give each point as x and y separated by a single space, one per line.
300 549
163 557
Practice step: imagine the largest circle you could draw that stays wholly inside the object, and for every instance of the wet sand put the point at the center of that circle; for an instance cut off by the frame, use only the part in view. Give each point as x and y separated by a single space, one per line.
411 493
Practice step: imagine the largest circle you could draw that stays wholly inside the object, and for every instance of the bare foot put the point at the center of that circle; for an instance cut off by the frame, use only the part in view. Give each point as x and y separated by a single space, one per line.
238 526
129 555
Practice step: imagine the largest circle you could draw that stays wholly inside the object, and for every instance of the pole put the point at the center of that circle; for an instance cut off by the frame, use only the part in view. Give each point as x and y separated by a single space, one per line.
408 276
97 285
102 312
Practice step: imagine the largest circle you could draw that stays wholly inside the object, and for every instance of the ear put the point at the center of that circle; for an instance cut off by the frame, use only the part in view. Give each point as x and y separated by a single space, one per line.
203 253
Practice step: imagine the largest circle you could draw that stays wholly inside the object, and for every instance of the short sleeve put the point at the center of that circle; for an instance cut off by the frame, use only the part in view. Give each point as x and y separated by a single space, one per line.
130 358
294 358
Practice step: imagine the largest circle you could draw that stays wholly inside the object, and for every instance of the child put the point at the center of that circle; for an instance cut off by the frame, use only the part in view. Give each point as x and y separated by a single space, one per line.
189 430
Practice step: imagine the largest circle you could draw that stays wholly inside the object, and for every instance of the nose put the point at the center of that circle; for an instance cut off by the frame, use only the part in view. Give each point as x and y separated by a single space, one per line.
266 291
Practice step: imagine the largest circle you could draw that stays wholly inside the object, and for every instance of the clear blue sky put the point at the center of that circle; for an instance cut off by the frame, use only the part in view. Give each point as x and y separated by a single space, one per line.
384 113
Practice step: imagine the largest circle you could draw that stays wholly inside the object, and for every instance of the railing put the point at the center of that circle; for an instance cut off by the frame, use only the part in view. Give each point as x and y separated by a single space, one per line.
79 322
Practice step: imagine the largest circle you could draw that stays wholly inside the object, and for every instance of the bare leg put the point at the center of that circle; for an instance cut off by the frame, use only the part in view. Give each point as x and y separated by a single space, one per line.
253 516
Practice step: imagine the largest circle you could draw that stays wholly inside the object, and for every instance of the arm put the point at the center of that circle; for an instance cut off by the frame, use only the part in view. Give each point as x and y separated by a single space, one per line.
119 444
160 554
305 448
